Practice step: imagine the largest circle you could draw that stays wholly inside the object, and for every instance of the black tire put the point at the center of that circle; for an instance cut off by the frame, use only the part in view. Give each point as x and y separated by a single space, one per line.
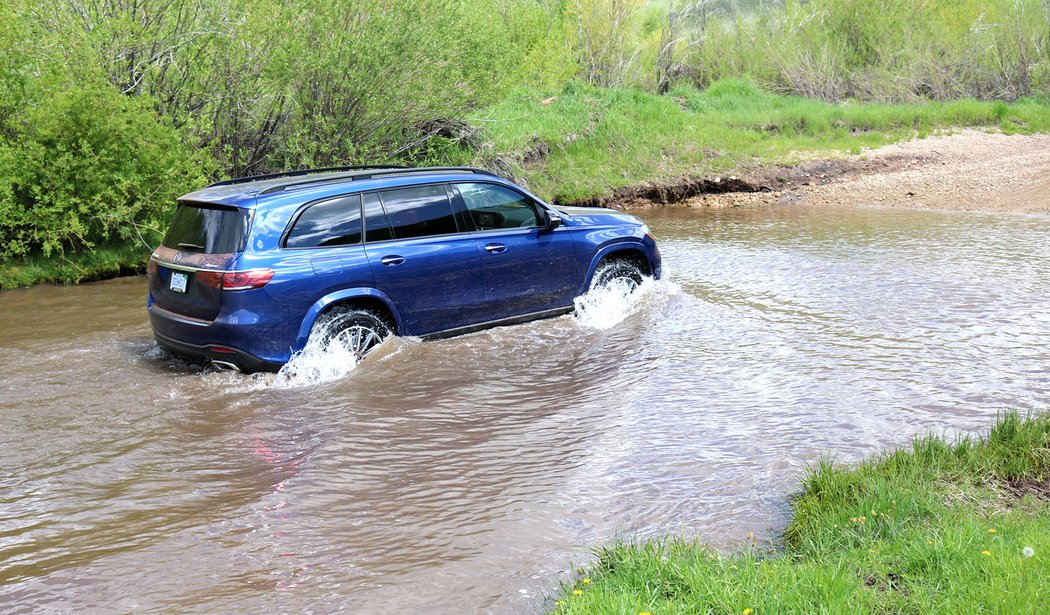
611 271
359 331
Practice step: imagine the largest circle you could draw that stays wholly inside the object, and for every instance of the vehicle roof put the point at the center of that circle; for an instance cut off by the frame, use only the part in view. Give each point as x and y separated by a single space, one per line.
246 191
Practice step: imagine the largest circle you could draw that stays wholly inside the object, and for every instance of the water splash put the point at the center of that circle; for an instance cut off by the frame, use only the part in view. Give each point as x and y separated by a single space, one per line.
609 305
316 363
156 352
601 308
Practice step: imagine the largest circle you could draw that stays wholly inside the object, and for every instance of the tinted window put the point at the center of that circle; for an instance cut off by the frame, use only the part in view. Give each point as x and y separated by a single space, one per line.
377 227
208 229
330 223
419 211
496 207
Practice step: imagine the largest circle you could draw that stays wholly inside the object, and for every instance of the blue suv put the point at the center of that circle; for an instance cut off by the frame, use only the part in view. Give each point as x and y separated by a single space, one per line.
251 268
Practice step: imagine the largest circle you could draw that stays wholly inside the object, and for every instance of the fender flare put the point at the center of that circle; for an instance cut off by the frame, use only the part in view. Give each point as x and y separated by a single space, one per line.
345 294
629 245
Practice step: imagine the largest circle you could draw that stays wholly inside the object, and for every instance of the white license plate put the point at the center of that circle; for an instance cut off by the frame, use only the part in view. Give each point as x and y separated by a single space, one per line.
178 281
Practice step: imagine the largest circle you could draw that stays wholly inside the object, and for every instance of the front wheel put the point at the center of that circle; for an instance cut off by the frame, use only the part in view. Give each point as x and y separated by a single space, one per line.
617 273
353 330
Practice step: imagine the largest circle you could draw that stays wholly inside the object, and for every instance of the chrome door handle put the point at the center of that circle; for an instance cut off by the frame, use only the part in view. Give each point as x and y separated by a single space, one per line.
392 260
496 248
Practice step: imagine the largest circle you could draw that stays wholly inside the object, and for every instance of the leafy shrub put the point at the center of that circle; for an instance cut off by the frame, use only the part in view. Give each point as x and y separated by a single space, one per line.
86 165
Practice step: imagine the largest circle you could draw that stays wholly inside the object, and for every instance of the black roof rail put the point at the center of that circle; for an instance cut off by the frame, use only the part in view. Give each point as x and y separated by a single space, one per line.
255 178
370 173
411 170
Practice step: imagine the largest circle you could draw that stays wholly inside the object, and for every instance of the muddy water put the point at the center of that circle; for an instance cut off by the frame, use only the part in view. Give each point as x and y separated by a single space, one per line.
469 475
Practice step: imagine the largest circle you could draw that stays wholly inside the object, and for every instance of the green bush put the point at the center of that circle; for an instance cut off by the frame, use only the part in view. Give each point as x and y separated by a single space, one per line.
106 109
88 164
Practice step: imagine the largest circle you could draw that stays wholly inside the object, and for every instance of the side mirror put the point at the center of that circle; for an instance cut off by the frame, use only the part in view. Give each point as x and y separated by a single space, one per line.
551 221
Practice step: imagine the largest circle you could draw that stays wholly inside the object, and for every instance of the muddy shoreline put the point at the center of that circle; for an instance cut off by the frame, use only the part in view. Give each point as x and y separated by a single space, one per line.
968 170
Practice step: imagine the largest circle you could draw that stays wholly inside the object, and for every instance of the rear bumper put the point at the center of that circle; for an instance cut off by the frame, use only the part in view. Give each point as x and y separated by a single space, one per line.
241 339
243 360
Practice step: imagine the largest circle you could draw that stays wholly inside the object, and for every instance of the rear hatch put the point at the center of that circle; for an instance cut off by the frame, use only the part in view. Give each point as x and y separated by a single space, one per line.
185 272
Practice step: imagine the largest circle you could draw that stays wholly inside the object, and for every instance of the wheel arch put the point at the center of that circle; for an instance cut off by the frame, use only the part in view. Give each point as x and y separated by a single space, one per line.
627 251
364 298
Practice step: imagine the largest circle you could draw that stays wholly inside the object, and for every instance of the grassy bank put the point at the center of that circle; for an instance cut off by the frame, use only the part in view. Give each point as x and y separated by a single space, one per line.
583 141
940 527
100 264
586 141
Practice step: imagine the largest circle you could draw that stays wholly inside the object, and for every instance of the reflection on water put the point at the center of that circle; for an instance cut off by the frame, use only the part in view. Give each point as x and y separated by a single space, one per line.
469 474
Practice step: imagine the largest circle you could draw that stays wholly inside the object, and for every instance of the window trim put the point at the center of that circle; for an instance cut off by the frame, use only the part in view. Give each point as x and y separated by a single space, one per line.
449 194
539 207
364 219
283 242
464 223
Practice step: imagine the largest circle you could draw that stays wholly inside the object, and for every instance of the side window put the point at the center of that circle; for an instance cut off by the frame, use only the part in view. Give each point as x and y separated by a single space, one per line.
377 227
496 207
419 211
336 222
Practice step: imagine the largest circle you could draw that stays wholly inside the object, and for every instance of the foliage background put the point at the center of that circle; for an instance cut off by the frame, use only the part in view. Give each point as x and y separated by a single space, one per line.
109 109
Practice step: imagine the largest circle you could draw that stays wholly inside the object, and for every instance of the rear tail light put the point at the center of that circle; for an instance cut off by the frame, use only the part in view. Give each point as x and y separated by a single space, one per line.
212 279
151 266
246 280
231 280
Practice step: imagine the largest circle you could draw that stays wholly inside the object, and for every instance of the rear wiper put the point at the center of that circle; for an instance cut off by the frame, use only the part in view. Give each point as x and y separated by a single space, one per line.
191 246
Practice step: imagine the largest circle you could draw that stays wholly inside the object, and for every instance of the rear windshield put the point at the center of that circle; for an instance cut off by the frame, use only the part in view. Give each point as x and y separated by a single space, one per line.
207 229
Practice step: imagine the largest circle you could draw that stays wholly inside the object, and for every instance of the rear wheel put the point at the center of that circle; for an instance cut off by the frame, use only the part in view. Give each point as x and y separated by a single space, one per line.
354 330
617 272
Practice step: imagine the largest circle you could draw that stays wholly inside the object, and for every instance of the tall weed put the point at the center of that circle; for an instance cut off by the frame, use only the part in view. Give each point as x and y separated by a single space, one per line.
884 50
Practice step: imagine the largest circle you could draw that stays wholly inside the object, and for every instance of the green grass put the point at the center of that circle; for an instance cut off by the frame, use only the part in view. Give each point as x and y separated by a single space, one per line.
602 139
936 528
99 264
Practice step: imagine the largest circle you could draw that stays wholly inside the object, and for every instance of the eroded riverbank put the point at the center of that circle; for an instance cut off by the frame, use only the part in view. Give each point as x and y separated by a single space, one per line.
968 170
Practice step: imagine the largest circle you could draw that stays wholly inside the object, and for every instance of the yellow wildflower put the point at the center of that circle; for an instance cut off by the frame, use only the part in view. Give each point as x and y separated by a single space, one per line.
559 603
644 613
586 581
991 530
986 552
747 612
577 592
929 542
873 550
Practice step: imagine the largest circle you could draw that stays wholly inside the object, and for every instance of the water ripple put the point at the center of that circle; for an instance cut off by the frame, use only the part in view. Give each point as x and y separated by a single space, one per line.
471 474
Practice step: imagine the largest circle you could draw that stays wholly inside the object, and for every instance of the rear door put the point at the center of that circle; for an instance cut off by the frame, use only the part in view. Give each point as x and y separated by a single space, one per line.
527 268
186 270
423 260
325 237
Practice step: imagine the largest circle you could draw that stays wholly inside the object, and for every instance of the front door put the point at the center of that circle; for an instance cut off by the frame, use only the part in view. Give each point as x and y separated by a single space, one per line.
528 269
422 260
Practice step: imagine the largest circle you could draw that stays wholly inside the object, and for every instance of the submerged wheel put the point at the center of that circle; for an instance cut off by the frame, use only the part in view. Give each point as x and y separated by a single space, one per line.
357 331
617 272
